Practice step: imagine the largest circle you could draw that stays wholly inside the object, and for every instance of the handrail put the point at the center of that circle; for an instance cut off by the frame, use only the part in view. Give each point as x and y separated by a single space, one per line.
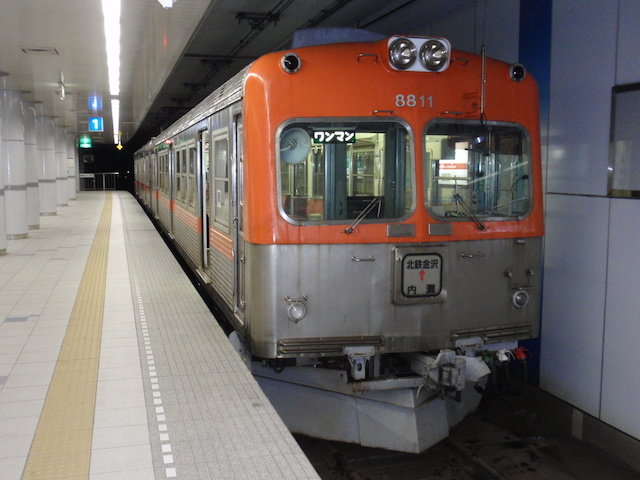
99 180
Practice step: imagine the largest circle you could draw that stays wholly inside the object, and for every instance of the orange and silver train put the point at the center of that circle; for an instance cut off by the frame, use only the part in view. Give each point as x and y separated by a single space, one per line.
352 205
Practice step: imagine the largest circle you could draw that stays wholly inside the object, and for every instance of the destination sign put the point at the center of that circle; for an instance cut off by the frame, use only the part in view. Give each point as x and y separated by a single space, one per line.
421 275
334 136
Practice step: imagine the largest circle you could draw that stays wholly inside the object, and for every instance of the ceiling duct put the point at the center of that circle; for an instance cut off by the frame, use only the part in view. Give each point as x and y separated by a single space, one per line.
40 51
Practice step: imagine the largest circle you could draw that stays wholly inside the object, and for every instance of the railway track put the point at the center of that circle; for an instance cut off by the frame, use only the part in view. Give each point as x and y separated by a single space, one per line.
445 461
508 438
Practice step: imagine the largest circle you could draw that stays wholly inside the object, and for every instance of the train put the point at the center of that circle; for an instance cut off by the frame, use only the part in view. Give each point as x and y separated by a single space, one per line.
367 209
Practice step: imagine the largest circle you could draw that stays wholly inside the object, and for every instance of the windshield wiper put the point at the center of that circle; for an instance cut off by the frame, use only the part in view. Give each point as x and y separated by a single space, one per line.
473 217
364 213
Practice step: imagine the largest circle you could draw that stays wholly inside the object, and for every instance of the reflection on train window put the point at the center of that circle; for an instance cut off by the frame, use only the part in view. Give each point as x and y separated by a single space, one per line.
345 170
221 181
477 170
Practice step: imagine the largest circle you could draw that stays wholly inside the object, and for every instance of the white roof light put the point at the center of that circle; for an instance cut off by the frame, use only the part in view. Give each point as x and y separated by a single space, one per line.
166 4
111 12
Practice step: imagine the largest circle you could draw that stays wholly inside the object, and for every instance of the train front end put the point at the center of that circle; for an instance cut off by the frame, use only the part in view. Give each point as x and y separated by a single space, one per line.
392 211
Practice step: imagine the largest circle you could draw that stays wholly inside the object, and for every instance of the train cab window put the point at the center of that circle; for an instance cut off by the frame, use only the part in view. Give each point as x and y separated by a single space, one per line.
477 170
340 171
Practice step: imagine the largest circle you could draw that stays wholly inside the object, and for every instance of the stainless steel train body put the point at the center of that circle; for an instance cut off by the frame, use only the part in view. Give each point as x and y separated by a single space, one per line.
350 201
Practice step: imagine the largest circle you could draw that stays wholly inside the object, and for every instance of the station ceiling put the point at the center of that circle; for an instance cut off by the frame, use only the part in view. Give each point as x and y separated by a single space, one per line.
171 58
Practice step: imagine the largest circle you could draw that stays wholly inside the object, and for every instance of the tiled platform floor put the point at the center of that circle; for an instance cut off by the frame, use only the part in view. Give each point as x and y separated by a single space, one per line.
173 399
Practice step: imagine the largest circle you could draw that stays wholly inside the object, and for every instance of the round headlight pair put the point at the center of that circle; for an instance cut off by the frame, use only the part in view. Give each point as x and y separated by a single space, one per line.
433 54
402 53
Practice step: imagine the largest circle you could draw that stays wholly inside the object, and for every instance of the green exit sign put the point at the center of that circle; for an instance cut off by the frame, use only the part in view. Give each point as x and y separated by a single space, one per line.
85 141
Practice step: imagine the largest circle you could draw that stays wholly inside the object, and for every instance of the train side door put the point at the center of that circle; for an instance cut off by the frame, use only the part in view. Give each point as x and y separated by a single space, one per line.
203 190
238 218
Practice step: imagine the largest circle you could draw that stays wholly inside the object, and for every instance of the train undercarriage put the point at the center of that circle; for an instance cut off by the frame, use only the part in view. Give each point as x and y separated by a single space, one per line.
401 402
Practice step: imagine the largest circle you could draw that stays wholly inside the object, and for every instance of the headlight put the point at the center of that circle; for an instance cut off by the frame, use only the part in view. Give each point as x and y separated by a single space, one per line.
520 298
434 55
290 62
517 72
402 53
296 308
296 311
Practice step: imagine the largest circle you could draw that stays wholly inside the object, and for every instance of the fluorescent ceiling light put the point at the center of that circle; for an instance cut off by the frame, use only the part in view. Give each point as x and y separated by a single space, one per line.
166 4
111 13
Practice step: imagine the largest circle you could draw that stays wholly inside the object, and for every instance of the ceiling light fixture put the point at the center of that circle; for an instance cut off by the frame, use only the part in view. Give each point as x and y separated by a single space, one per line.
111 12
167 4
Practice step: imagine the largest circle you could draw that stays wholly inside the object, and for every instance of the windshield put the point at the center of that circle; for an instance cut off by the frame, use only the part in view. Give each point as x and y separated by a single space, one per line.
345 170
477 170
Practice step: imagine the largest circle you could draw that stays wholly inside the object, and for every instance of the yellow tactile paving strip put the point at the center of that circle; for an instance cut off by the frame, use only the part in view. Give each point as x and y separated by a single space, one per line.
62 444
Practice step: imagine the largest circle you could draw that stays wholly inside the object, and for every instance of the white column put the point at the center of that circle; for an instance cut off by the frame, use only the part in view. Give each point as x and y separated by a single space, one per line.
15 172
3 222
62 197
31 158
46 165
72 166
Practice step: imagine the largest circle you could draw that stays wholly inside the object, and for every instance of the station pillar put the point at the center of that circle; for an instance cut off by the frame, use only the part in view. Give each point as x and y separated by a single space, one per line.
31 158
14 169
46 165
72 166
62 196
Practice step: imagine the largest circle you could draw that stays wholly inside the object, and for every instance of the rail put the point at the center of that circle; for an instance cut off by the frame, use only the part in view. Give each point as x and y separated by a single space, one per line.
98 181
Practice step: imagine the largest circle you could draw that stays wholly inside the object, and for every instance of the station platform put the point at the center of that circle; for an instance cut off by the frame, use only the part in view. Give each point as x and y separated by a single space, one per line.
113 367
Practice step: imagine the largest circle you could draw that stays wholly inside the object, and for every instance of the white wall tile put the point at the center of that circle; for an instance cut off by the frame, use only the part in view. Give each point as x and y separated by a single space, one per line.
574 299
582 75
628 70
620 380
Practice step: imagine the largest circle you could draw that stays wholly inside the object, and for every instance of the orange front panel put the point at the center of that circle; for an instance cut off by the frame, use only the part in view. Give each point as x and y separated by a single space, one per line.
339 81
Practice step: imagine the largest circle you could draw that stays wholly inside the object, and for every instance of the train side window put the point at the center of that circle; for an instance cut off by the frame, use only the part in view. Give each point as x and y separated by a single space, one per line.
339 171
477 170
221 208
191 177
185 185
178 174
165 173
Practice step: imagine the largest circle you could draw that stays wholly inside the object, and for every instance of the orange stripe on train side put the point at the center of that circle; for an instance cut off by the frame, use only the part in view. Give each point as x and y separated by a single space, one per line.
221 242
188 218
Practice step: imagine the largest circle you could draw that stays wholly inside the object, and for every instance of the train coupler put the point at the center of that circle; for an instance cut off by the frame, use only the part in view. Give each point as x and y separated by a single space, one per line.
358 357
446 373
